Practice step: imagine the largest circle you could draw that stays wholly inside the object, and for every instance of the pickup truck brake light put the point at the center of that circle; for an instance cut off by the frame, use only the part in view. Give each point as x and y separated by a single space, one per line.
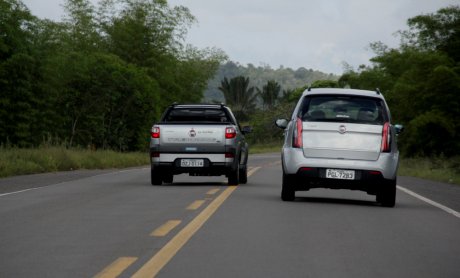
230 133
155 132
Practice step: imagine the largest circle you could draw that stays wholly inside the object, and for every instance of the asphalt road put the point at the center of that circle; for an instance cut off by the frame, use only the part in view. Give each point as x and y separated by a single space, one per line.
109 223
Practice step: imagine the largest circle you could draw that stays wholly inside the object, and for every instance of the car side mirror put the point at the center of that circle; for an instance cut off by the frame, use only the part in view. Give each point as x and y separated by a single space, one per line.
399 128
246 129
282 123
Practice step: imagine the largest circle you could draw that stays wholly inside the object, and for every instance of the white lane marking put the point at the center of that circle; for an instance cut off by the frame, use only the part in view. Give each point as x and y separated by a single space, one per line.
15 192
431 202
98 175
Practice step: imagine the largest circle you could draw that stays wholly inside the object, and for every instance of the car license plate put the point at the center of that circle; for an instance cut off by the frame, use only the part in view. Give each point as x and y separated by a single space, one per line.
192 163
340 174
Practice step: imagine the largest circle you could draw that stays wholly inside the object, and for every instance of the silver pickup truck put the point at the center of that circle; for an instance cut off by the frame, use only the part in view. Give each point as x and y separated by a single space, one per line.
201 140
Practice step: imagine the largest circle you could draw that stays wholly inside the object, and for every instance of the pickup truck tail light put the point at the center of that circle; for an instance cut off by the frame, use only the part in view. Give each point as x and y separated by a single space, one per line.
155 132
297 137
230 133
386 138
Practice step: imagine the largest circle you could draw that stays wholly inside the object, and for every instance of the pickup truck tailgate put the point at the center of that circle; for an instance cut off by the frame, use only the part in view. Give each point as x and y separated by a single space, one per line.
192 138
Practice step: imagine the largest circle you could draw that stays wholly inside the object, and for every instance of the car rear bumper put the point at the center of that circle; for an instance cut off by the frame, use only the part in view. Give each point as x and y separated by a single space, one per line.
369 181
386 164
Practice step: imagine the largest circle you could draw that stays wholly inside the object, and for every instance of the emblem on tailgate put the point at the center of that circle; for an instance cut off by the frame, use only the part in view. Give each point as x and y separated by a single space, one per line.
192 133
342 129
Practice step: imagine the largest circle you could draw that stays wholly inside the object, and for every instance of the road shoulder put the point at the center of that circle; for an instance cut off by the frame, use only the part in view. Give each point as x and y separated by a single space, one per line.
443 193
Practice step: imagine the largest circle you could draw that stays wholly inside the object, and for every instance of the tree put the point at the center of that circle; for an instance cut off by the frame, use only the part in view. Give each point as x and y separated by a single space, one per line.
421 83
101 77
439 31
239 96
18 72
269 94
325 84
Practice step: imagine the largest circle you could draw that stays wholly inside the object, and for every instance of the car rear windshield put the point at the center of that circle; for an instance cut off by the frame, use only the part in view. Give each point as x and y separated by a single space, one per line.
201 115
350 109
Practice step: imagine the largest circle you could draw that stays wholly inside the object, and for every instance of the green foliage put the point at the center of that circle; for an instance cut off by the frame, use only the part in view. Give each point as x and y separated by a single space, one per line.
239 96
269 94
442 130
101 77
325 84
263 124
439 31
287 78
421 82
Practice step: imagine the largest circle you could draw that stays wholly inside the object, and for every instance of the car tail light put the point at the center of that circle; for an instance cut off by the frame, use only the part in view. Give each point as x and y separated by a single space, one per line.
155 132
229 155
386 138
230 133
297 138
375 173
305 169
155 154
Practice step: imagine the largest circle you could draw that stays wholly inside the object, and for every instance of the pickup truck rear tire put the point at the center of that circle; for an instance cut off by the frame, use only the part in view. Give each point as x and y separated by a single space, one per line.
168 178
155 177
243 174
234 177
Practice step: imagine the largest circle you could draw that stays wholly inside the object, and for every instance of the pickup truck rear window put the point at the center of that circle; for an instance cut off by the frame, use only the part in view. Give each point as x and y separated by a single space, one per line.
350 109
183 115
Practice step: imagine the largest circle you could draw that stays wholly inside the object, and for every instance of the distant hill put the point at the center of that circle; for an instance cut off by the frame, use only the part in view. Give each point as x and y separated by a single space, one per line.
258 76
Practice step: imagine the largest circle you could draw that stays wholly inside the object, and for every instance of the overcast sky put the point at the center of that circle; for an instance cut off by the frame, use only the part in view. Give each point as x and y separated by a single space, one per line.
317 34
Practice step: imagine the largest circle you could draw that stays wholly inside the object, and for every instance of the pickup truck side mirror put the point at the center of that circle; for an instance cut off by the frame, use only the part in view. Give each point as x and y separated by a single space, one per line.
246 129
282 123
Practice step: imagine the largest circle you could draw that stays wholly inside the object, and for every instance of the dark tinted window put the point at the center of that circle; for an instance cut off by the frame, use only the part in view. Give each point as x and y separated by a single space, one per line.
204 115
351 109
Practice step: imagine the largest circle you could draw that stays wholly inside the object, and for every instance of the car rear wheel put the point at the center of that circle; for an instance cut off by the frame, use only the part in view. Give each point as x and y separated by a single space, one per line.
287 189
243 174
387 194
155 177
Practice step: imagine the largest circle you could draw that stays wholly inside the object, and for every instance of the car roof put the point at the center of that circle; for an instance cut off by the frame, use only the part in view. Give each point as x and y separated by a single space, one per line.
340 91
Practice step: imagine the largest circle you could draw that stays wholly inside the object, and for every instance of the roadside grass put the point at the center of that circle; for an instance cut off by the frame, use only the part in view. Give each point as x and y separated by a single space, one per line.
18 161
437 168
265 148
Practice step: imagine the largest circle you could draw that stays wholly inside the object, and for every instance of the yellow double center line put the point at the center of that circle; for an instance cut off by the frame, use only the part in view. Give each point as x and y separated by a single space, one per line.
160 259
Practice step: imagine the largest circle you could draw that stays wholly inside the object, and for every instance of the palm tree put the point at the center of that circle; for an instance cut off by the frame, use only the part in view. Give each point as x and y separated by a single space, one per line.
239 96
270 94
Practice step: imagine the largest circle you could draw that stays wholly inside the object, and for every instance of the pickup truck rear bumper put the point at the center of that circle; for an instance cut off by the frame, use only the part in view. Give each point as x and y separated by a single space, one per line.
171 157
213 164
211 169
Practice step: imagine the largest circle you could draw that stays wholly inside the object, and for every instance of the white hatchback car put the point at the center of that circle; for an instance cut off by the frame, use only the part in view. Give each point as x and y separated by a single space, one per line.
340 139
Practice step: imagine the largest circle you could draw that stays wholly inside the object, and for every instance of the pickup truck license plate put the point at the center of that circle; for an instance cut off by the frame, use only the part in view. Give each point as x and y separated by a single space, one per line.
191 163
340 174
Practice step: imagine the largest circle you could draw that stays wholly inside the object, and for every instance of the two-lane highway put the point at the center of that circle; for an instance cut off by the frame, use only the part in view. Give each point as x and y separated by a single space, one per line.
116 224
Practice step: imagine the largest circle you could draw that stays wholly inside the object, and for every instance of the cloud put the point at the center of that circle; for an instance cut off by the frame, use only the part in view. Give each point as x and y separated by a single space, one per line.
313 34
